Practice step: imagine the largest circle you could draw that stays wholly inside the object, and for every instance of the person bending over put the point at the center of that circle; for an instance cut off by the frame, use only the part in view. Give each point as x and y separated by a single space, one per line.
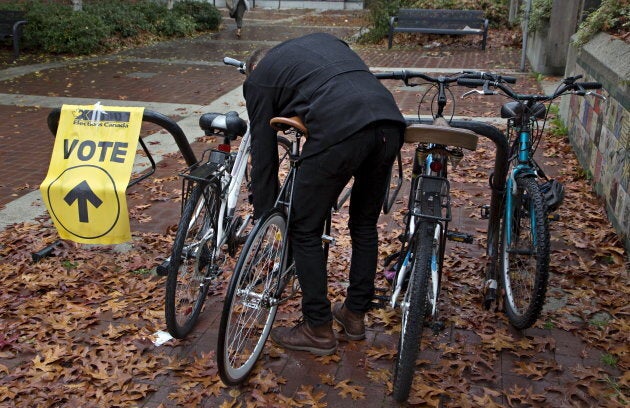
355 130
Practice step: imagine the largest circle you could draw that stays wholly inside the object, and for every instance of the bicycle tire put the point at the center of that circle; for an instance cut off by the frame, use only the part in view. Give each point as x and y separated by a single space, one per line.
191 260
251 299
525 263
414 310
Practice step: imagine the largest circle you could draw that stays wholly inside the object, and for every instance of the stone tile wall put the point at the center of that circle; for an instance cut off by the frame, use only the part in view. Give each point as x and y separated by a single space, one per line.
600 130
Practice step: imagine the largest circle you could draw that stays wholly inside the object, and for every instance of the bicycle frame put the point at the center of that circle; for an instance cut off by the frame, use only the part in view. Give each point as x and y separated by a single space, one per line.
424 157
232 182
523 168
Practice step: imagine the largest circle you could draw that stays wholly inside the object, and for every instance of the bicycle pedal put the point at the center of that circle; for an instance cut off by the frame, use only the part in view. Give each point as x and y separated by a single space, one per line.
459 237
378 305
327 239
379 301
162 269
485 212
437 327
553 217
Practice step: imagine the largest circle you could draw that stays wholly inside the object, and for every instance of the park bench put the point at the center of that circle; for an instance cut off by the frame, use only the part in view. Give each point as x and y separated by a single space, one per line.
11 23
449 22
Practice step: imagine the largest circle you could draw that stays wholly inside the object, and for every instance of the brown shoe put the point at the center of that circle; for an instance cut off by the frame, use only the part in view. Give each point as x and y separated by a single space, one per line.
353 323
319 340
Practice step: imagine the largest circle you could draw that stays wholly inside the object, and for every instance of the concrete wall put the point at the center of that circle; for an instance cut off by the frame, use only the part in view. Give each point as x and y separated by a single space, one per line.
600 131
547 47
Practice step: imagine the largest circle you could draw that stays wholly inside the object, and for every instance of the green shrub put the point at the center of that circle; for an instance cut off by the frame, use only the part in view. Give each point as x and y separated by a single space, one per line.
612 15
56 29
122 19
206 16
539 13
175 25
153 12
380 12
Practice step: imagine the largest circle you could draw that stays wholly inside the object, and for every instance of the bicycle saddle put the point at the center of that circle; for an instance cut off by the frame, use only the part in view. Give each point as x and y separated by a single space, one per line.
229 124
514 110
283 124
440 132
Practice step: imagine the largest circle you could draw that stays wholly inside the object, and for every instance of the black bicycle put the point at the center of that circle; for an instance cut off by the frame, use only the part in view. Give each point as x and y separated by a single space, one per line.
263 270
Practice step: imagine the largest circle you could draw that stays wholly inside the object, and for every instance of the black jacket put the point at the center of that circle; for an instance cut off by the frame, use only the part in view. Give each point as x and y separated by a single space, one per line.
320 79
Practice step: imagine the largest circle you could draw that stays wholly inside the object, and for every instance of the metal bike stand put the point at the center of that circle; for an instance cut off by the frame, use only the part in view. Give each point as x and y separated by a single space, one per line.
497 185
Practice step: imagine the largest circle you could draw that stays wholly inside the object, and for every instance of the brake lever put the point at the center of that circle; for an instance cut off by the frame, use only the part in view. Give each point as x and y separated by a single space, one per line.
477 91
595 94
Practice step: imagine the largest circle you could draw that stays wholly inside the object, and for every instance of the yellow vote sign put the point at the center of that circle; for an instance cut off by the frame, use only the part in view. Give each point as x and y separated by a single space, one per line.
89 171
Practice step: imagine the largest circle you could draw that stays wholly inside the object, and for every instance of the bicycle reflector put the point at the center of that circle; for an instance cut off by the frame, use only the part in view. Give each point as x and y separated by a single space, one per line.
224 147
436 166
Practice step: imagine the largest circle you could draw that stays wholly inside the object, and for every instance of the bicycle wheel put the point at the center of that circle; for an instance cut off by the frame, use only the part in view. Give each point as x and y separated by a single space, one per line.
191 261
251 300
525 254
414 308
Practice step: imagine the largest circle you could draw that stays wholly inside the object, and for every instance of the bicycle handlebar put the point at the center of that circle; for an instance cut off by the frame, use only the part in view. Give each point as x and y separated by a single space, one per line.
405 75
568 85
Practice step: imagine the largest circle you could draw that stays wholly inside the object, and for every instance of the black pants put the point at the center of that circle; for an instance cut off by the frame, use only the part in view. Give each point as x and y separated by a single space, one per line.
239 13
367 156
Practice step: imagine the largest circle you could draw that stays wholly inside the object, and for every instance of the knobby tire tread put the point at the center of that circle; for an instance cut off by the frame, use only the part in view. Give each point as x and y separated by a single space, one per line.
529 186
417 295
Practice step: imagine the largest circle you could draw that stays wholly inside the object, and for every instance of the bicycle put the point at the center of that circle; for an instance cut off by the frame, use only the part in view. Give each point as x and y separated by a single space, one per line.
524 244
417 274
209 221
263 270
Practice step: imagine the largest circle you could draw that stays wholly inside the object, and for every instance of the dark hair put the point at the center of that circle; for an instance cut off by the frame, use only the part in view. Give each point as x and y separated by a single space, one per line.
254 58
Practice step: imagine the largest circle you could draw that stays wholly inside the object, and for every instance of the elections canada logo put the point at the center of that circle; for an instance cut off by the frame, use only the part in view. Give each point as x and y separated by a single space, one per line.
101 118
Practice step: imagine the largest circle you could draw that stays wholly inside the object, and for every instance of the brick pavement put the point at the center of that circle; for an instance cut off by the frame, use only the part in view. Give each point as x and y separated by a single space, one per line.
185 71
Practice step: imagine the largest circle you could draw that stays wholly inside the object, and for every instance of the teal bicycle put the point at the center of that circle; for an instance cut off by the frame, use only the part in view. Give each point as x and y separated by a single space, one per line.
529 198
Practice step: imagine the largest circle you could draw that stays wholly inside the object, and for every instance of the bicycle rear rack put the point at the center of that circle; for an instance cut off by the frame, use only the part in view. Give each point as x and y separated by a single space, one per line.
435 204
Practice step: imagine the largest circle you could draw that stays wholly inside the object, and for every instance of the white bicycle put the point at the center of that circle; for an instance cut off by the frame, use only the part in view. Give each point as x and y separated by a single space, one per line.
212 191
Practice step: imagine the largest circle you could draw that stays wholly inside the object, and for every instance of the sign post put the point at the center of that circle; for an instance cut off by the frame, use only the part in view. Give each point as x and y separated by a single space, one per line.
89 171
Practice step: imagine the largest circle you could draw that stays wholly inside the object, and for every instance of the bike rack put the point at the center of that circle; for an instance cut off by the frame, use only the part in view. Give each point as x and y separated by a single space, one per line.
148 116
497 183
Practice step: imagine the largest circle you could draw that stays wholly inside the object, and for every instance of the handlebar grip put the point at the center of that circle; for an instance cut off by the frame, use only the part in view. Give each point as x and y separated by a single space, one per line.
233 62
488 76
589 85
388 75
471 83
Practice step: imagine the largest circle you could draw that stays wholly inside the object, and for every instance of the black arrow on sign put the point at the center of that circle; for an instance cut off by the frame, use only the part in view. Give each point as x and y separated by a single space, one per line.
83 193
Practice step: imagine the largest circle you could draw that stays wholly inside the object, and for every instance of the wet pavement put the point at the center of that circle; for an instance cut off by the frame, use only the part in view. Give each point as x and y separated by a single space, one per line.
461 366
